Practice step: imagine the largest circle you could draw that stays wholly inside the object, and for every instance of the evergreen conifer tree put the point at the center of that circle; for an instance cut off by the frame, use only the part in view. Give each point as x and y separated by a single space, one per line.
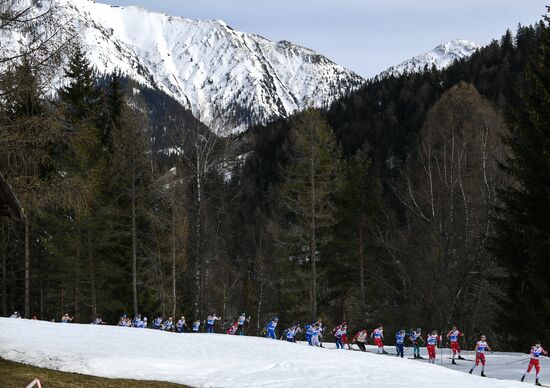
80 94
523 240
312 177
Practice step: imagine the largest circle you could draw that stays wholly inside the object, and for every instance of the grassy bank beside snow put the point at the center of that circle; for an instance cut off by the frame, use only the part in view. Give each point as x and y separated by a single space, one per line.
13 374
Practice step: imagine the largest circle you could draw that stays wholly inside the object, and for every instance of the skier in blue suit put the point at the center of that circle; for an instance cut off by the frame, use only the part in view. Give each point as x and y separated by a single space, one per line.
157 323
271 328
210 321
400 343
309 332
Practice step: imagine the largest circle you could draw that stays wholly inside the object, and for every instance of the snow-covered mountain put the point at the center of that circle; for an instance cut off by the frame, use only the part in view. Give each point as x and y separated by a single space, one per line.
227 78
441 57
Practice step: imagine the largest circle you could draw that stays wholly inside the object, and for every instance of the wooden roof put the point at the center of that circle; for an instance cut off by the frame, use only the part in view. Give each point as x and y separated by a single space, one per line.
9 206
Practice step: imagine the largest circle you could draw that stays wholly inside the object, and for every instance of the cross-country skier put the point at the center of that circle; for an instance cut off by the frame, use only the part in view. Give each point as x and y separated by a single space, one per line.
136 320
378 336
297 330
196 326
66 319
122 320
400 343
315 333
536 352
308 333
210 321
481 346
431 343
15 315
321 331
98 321
415 336
345 336
361 339
242 320
340 331
233 328
453 338
157 323
288 334
291 332
168 325
143 323
139 323
181 325
270 328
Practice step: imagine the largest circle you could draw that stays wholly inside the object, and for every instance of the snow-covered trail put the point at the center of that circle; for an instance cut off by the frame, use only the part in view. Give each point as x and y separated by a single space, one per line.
500 365
213 360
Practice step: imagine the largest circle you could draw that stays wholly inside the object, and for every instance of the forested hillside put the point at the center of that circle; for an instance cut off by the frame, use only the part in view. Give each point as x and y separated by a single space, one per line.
382 209
422 160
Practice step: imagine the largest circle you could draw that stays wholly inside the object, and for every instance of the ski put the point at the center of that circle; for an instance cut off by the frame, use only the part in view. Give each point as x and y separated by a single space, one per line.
383 354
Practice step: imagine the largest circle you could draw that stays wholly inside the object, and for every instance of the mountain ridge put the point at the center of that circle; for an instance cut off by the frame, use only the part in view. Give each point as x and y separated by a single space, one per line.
441 56
229 79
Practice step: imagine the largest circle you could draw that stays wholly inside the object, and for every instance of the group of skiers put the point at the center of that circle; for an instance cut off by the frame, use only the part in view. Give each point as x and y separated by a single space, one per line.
314 332
180 326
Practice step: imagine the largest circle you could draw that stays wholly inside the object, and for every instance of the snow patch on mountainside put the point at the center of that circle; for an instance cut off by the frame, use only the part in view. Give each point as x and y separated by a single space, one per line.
214 360
227 78
441 57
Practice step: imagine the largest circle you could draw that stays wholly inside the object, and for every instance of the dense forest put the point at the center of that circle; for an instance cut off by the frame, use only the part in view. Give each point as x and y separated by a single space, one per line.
419 200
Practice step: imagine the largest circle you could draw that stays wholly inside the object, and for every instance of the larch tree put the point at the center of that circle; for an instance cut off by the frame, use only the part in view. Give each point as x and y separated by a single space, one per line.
449 192
29 137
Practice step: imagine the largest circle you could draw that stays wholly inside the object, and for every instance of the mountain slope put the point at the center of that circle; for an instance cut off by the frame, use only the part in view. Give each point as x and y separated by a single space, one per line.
441 57
214 360
228 79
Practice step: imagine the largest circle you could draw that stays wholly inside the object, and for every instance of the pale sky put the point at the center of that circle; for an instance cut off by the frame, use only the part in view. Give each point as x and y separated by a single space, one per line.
366 36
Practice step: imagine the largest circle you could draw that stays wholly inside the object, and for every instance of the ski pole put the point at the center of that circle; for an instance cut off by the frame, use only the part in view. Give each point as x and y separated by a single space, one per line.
522 360
442 344
441 353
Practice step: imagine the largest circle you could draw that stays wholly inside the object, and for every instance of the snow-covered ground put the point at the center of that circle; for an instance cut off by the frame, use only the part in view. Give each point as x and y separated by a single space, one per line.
213 360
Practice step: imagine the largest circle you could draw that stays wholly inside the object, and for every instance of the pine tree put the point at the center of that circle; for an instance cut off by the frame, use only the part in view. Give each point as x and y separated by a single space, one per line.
523 240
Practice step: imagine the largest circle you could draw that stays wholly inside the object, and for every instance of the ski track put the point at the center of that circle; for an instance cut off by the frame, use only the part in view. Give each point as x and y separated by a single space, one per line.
219 360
